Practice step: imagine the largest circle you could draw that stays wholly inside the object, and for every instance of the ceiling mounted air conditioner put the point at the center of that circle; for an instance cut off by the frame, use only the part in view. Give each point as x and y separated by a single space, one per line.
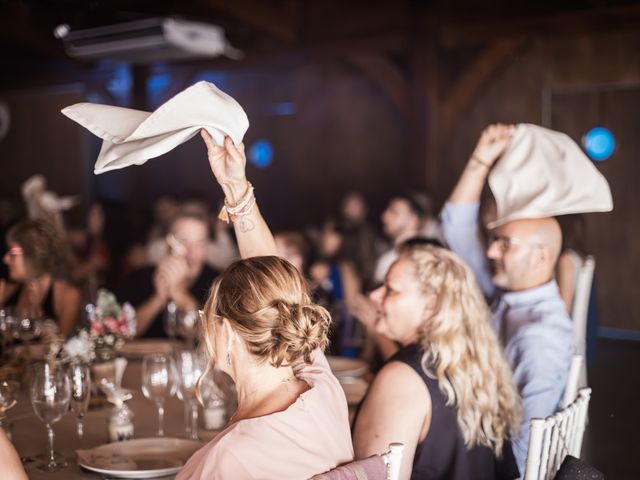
148 41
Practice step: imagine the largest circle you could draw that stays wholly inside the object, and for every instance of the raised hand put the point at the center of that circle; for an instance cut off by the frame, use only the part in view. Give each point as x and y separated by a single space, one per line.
365 310
493 142
228 166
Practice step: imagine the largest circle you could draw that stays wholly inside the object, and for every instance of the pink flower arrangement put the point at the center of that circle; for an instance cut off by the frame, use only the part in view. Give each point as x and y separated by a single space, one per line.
108 321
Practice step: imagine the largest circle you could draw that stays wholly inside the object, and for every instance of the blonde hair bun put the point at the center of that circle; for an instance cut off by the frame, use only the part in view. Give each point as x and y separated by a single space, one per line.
302 329
267 303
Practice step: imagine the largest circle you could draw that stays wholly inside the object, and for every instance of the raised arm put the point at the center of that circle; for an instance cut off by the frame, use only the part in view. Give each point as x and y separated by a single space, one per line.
492 143
228 165
460 214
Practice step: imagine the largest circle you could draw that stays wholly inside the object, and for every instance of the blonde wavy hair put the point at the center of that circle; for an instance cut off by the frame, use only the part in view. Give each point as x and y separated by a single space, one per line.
268 305
462 351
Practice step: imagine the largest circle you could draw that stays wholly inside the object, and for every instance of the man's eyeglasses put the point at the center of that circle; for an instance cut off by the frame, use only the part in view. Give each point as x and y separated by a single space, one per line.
504 242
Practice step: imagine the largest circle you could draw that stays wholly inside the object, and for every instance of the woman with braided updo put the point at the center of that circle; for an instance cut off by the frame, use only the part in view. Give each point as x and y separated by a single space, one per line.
261 328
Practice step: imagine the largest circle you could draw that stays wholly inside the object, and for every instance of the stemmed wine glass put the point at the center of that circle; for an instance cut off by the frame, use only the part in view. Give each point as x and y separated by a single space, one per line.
188 324
50 396
190 366
170 320
159 382
80 377
27 329
8 397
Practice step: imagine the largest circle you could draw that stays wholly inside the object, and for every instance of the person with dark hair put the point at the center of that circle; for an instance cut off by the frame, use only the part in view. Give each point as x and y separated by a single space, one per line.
37 287
405 217
181 277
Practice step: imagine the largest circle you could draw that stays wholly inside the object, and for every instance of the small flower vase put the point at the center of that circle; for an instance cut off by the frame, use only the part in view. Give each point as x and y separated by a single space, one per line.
103 367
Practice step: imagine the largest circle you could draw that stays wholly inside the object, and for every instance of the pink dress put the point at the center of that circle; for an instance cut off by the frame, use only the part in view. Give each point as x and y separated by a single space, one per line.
311 436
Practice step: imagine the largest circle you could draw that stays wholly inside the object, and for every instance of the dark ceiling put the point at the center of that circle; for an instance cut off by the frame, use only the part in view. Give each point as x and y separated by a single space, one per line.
258 27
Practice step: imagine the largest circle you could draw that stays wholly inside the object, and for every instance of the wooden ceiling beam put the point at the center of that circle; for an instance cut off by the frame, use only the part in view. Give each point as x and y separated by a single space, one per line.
384 73
475 77
466 34
277 19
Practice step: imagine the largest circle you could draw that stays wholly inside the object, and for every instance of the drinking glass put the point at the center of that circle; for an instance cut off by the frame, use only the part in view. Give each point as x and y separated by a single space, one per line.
7 326
50 396
8 397
190 366
80 377
188 324
27 329
159 382
170 322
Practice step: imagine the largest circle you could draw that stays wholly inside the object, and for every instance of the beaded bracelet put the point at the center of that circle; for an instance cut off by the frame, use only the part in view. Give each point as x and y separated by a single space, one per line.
241 209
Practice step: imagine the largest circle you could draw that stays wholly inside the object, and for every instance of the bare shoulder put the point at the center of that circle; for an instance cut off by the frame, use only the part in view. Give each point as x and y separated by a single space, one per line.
65 290
396 386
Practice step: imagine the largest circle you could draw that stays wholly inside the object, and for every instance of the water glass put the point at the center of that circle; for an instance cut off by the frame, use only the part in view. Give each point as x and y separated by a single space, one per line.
159 382
80 377
170 320
188 324
50 396
8 397
190 366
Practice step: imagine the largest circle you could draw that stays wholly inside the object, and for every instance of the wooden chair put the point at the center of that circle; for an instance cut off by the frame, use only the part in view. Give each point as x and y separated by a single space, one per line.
551 439
377 467
579 312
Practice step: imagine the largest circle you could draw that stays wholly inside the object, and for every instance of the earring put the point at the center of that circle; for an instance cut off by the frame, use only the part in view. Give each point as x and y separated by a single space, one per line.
228 359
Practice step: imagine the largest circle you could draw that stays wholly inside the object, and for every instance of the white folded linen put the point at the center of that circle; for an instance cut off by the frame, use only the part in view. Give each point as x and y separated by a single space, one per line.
544 173
131 137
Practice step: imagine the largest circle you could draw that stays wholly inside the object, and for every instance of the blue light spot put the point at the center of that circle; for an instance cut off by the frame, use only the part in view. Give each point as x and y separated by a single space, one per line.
120 84
158 82
599 143
217 78
286 108
261 154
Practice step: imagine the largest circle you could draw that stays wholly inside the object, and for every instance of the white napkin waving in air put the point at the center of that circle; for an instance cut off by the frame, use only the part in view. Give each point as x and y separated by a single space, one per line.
544 173
131 137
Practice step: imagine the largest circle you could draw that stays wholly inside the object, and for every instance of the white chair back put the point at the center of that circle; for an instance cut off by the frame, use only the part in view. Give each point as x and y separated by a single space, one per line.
579 312
573 380
553 438
393 459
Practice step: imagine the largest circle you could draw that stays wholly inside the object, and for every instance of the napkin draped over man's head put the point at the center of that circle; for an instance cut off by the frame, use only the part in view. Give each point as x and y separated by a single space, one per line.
544 173
131 137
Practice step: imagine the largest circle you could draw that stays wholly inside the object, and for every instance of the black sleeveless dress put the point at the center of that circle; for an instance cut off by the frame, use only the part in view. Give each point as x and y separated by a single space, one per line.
47 305
443 454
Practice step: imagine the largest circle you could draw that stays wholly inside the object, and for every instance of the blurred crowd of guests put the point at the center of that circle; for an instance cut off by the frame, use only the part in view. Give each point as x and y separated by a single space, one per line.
57 257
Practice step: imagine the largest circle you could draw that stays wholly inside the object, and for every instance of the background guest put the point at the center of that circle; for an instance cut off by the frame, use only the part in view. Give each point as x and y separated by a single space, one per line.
37 287
403 218
182 277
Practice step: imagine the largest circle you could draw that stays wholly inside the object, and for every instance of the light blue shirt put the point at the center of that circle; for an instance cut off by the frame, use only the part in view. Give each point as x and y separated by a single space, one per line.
532 324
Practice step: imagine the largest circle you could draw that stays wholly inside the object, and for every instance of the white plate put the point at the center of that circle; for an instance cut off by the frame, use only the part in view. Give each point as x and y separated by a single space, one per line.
347 367
136 349
140 458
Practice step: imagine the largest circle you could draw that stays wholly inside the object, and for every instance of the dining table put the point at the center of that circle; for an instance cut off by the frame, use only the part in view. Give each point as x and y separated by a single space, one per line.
29 434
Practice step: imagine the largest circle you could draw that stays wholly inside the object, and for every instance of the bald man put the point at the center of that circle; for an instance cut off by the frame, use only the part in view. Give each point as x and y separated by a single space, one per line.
516 272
